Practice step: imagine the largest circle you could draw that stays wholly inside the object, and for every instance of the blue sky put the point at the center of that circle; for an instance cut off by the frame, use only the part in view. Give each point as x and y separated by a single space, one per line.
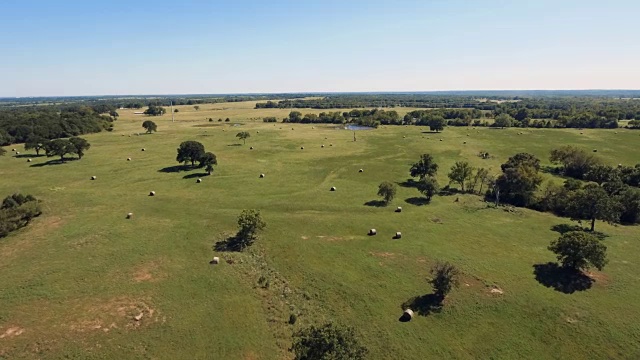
71 47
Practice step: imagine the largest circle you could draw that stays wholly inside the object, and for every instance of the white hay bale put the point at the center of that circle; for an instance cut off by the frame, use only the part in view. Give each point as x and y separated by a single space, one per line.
372 232
28 160
301 147
330 144
257 132
333 188
464 143
17 152
215 261
322 145
361 170
408 314
128 159
440 139
595 150
251 148
14 150
129 215
152 193
261 176
581 133
143 149
199 181
399 209
619 165
93 178
404 137
398 235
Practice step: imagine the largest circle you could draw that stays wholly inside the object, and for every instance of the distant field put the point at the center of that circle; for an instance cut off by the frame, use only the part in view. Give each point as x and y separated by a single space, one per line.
73 280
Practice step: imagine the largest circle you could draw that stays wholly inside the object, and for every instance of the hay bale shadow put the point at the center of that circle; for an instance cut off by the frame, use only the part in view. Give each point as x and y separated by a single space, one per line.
423 305
196 175
234 145
375 203
417 201
565 228
564 280
175 169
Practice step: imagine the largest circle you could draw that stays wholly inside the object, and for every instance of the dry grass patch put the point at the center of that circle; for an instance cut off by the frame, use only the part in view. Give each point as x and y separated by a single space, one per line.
149 271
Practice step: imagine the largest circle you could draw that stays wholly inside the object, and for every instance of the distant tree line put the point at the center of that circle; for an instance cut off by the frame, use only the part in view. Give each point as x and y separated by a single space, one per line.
30 124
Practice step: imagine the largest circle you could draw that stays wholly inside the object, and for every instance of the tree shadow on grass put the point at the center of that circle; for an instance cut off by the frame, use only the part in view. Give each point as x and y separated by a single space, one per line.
234 145
26 156
375 203
175 168
564 280
228 244
409 183
423 305
417 201
565 228
196 175
53 162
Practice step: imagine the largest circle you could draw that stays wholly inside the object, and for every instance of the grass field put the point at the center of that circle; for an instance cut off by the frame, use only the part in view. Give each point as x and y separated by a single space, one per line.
73 280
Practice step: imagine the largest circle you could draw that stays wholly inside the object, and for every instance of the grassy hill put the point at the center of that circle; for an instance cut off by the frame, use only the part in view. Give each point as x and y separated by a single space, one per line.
73 280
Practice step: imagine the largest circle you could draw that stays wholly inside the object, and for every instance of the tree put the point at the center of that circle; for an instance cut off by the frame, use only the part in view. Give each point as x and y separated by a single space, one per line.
480 176
114 114
461 172
428 187
208 160
519 180
444 277
425 167
503 120
243 135
327 342
150 126
197 107
58 147
250 224
190 151
388 191
630 203
578 250
575 162
601 174
79 146
155 110
593 203
36 143
295 116
176 110
227 120
437 123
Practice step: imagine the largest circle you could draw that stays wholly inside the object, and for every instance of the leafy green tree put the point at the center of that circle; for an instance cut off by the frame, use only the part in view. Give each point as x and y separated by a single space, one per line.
295 116
630 202
519 180
250 224
593 203
579 251
503 120
388 191
36 143
176 110
479 177
575 162
444 277
114 114
154 110
243 135
79 146
425 167
227 120
207 161
150 126
197 107
327 342
428 187
601 174
437 123
59 147
460 173
190 151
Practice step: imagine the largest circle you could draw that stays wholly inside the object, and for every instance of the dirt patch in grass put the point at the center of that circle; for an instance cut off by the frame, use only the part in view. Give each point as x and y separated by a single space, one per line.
120 313
599 277
383 254
149 271
336 238
11 332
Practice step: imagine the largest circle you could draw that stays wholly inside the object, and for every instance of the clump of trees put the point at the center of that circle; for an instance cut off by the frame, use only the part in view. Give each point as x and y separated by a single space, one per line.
243 135
327 342
519 180
150 126
387 191
193 151
461 172
154 110
579 251
63 147
426 169
17 211
270 119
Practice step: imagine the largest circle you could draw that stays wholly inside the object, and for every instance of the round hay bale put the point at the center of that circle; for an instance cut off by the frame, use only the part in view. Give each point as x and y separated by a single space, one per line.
128 159
17 152
198 181
361 170
261 176
257 132
464 143
291 128
595 150
440 139
93 178
251 148
322 145
143 149
372 232
619 165
215 261
129 215
404 137
301 147
407 315
333 188
398 235
14 150
581 133
313 127
152 193
399 209
28 160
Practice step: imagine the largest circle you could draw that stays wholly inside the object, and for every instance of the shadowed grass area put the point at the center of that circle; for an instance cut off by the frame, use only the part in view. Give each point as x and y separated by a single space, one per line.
76 278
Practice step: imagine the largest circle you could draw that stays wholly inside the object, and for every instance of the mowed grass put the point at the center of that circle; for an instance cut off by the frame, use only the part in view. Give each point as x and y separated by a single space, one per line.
73 280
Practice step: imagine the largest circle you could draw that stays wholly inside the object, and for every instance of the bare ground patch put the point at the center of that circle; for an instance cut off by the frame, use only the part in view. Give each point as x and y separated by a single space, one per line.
11 332
149 271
